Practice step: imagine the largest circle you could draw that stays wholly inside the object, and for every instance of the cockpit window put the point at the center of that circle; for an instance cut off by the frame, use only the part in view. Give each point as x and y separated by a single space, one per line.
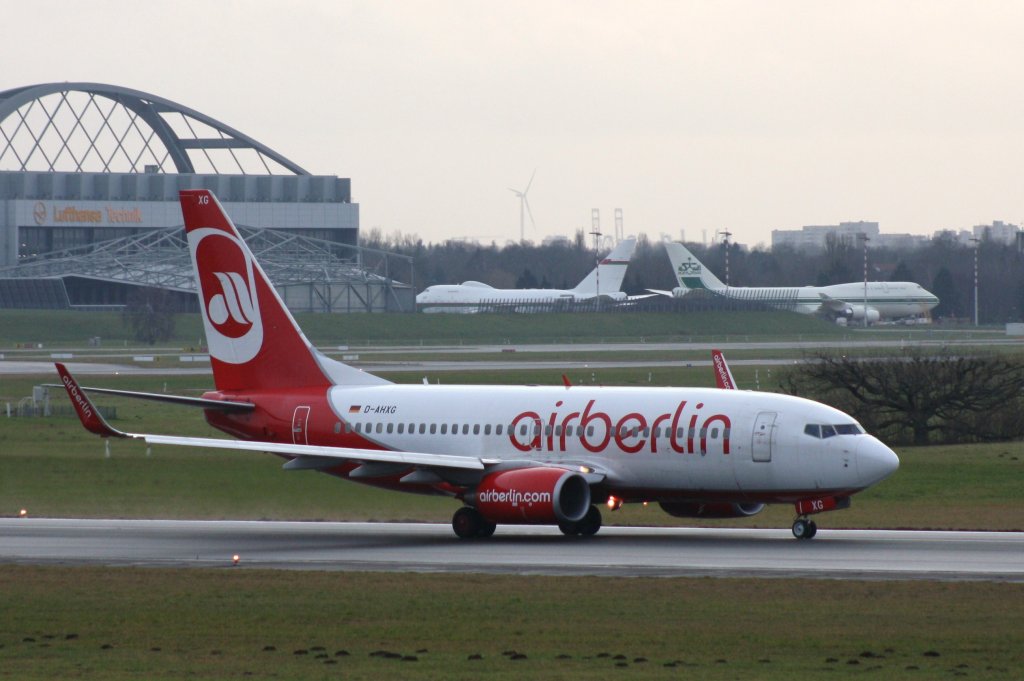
824 431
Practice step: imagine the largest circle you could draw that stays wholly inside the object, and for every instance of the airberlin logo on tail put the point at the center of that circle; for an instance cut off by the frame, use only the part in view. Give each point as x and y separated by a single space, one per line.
232 303
227 286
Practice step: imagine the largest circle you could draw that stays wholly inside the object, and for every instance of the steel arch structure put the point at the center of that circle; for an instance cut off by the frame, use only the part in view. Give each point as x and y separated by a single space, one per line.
83 127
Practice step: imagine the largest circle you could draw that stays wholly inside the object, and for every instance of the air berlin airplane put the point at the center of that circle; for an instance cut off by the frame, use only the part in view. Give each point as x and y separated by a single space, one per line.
509 454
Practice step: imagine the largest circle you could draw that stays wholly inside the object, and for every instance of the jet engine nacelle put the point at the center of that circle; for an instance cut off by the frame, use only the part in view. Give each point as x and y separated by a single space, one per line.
539 496
687 509
856 312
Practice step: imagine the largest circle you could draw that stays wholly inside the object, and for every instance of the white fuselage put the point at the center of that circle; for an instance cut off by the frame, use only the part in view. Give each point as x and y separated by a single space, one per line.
652 444
891 300
472 296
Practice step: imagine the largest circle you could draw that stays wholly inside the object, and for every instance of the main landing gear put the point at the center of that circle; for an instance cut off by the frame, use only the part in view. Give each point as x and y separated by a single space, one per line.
469 524
804 528
587 527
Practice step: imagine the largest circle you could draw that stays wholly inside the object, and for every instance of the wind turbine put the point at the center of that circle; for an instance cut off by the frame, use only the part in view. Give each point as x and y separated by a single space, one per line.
524 207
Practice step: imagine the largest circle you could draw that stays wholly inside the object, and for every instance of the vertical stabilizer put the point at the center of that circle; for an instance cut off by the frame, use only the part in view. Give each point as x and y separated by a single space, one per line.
689 271
612 270
253 339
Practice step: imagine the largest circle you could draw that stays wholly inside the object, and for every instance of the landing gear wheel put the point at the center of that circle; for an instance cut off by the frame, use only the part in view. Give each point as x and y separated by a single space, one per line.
486 529
467 523
569 529
591 522
804 529
586 527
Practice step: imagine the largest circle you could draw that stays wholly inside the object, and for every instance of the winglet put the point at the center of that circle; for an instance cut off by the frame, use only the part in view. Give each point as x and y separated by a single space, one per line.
566 382
723 376
87 413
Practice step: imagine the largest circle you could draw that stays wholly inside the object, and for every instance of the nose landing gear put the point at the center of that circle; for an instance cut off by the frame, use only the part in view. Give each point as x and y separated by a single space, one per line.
804 528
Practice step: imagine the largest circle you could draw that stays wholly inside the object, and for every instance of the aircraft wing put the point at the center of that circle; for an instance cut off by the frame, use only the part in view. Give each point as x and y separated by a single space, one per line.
834 304
219 405
659 292
315 457
723 375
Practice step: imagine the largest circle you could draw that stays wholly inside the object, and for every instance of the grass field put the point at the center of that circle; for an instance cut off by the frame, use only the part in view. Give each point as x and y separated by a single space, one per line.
101 623
74 329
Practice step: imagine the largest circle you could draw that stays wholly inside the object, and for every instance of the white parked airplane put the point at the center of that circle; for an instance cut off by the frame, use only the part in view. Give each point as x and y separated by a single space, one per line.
509 454
604 281
884 299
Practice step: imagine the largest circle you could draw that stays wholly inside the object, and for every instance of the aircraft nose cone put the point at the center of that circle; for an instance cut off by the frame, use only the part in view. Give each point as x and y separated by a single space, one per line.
875 461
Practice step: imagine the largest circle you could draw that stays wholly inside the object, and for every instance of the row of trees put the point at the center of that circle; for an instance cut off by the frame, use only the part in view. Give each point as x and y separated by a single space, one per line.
944 267
920 398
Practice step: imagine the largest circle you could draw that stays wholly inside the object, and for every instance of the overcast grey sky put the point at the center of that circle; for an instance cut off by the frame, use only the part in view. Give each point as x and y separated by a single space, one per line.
745 115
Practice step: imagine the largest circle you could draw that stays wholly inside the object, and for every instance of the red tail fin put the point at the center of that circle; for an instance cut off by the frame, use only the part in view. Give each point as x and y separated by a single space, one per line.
254 341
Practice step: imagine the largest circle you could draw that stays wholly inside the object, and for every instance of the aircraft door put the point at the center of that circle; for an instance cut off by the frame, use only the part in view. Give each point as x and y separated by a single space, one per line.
764 435
300 426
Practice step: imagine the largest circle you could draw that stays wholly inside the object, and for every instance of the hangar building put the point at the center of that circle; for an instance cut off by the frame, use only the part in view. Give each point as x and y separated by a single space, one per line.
89 212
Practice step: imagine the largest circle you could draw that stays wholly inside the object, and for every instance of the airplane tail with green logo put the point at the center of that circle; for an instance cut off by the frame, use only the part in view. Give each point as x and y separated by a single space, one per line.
689 271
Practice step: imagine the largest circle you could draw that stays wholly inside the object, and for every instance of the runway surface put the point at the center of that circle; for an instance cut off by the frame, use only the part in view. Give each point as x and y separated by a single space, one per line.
409 547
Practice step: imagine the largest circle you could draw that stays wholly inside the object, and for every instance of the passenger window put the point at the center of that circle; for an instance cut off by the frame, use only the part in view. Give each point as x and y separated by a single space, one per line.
487 429
497 429
444 429
359 427
590 431
391 427
348 427
679 433
337 427
522 429
827 431
465 429
433 428
812 429
401 428
714 432
380 427
423 428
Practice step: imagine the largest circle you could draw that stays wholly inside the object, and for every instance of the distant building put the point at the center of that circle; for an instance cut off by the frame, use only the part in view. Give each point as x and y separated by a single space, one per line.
815 237
999 232
90 214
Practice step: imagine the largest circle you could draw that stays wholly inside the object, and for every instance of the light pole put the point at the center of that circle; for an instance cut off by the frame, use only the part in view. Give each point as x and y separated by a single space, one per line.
864 236
725 241
597 259
977 242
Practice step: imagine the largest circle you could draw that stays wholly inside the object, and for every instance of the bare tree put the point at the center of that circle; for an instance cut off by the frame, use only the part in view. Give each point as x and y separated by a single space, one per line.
150 315
940 397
